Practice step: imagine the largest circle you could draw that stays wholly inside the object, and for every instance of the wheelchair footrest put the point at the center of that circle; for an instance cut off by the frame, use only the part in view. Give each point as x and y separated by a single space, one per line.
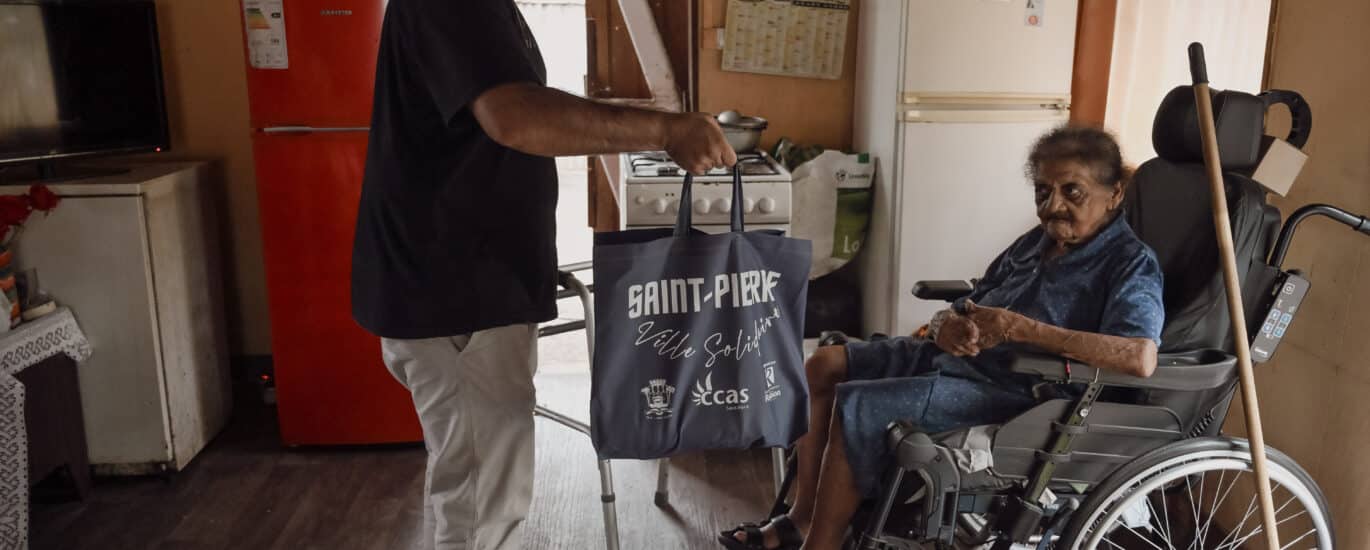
918 454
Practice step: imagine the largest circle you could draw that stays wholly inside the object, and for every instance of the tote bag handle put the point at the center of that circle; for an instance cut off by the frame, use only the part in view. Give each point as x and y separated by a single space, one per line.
685 217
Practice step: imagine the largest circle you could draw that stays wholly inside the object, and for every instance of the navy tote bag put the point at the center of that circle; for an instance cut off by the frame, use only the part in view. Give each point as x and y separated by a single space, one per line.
698 338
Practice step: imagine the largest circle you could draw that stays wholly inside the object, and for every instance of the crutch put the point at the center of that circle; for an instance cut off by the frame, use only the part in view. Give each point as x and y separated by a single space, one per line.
573 287
1208 133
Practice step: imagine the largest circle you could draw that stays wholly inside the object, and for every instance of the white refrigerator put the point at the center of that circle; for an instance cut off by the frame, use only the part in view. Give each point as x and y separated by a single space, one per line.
950 96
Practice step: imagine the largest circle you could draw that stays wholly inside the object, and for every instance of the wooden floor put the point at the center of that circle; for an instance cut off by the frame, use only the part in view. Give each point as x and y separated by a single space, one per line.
246 492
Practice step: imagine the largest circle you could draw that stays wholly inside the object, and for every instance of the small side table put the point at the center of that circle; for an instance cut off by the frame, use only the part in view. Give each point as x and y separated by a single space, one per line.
53 423
43 353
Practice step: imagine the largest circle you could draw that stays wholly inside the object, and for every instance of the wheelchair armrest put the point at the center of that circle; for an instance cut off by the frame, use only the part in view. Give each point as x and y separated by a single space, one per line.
947 291
1186 371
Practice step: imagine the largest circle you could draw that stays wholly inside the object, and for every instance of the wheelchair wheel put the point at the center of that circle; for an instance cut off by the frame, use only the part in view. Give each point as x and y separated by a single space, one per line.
1199 493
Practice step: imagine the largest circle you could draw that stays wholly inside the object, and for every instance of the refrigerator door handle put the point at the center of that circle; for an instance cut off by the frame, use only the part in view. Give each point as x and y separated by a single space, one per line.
313 129
948 99
987 115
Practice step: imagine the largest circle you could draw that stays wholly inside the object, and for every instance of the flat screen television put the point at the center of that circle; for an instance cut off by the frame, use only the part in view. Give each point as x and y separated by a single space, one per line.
79 78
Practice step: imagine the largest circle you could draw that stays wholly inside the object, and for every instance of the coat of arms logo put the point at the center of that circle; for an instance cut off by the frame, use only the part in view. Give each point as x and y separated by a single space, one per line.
658 394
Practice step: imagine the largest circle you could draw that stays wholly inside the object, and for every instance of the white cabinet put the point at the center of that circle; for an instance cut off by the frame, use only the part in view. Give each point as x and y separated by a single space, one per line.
136 257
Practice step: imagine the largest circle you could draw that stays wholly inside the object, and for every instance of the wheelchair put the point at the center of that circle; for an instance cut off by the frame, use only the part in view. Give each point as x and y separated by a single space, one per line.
1132 462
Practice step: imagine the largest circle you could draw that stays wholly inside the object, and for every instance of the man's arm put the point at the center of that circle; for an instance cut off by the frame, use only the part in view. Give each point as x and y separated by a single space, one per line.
547 122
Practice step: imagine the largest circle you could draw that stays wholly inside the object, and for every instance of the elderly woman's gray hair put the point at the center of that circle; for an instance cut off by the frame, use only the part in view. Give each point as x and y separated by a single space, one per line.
1090 146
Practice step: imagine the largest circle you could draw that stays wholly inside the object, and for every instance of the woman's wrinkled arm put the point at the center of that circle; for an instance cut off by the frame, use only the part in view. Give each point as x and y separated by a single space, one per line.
1132 356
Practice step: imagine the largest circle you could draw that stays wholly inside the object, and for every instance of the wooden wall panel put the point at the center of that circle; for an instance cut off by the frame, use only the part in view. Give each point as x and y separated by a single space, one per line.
1312 395
1093 53
810 111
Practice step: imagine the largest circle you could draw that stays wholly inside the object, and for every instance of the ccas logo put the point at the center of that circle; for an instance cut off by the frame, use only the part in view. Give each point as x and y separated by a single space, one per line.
704 394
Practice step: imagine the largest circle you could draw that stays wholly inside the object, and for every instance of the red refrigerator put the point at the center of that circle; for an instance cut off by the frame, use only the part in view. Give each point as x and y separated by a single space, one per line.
310 69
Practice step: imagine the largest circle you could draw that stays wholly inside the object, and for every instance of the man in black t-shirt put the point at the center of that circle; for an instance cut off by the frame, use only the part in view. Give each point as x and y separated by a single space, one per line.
455 261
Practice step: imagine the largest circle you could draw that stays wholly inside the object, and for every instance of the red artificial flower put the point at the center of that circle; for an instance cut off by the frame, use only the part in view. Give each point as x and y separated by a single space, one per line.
42 198
14 209
4 232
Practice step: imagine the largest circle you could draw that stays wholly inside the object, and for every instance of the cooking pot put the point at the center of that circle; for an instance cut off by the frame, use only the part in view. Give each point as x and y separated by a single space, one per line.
742 132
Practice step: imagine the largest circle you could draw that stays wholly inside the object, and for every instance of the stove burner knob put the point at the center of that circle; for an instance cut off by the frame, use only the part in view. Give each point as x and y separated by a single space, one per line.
748 205
766 205
724 205
702 206
660 205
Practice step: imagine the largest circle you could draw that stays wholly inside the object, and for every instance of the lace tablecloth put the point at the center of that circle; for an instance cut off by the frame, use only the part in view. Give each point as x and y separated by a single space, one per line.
21 348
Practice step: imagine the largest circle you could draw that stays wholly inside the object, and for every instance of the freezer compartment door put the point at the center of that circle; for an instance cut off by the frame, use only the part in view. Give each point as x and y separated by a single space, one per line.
990 47
964 199
330 63
331 385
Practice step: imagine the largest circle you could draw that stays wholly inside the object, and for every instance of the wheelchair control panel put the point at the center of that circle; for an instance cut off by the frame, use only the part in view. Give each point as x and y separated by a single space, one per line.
1281 306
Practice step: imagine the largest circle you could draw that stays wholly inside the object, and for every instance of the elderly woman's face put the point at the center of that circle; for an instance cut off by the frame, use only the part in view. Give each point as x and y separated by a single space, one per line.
1073 206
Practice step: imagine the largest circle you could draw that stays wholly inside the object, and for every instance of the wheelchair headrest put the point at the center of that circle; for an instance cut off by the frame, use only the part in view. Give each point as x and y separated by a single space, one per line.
1239 118
1168 206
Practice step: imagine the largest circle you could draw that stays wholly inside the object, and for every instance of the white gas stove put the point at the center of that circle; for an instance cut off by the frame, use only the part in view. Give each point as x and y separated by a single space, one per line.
650 191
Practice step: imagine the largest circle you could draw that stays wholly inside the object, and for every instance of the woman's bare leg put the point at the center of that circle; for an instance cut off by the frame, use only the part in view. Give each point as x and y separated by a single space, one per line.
837 497
826 369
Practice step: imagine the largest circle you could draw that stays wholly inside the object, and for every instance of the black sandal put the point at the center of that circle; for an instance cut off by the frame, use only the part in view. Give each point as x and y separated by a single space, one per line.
789 535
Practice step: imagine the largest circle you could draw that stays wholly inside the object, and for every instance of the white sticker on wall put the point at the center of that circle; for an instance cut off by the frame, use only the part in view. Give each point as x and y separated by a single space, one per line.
265 24
1034 12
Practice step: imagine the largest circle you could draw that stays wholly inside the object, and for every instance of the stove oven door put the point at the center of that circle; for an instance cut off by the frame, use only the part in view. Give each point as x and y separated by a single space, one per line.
716 229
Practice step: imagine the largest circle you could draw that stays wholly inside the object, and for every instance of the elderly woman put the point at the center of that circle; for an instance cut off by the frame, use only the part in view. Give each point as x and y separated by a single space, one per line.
1081 285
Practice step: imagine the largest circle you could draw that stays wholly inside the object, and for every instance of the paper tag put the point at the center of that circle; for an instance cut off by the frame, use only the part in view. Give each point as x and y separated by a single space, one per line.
1280 166
265 24
1035 9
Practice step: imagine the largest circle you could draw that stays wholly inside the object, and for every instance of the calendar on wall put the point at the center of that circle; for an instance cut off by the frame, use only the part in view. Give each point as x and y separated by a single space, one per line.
805 38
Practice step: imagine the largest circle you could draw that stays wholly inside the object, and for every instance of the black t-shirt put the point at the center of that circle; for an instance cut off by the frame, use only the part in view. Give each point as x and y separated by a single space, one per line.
455 232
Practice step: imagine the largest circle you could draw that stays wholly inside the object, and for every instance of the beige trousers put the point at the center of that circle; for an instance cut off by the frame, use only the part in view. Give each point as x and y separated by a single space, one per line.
474 395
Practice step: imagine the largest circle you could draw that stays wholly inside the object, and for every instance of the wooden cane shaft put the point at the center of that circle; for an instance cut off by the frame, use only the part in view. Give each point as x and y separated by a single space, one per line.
1223 225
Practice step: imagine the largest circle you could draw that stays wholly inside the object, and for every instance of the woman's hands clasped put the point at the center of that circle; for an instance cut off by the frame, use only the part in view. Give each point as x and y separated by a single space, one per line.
979 328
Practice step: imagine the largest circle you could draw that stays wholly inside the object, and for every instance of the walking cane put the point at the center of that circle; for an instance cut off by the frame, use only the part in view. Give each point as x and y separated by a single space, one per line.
1207 132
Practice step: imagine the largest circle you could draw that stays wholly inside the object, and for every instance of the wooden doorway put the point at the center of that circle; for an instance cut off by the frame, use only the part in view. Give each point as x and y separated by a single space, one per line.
613 71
